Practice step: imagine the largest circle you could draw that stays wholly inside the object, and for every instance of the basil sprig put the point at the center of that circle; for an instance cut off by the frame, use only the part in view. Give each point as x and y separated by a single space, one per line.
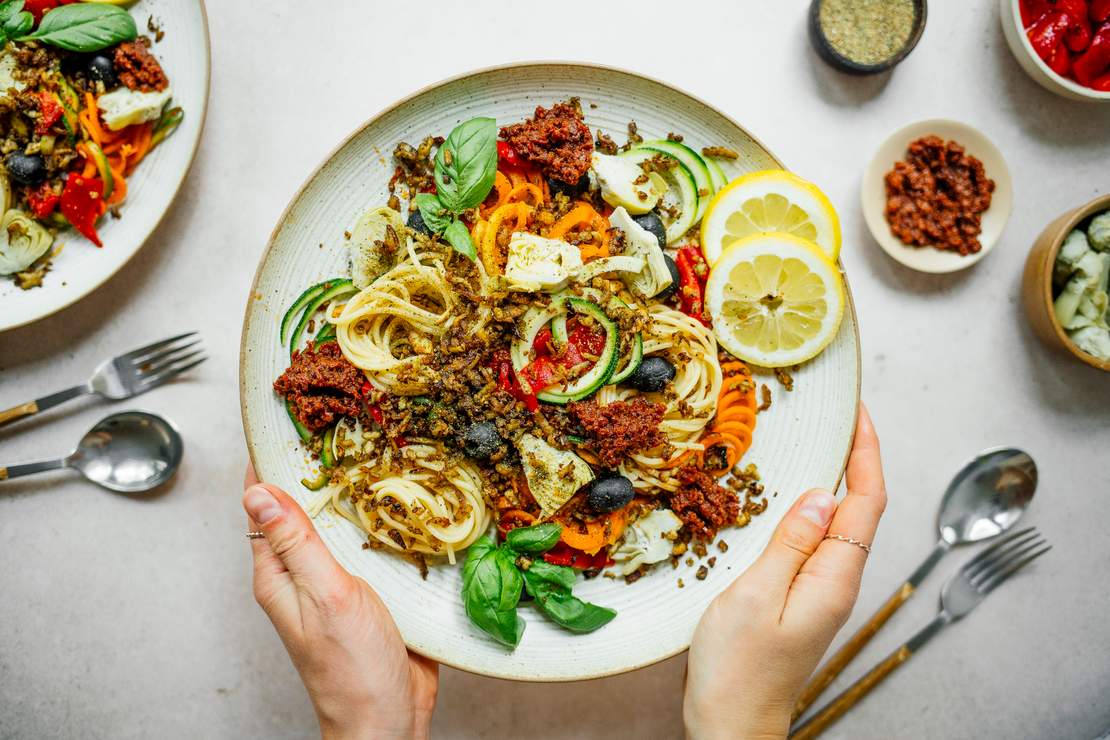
465 168
14 21
81 27
494 576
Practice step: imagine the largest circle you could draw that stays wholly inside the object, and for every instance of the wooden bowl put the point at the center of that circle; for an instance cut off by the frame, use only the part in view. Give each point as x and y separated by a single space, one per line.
1036 285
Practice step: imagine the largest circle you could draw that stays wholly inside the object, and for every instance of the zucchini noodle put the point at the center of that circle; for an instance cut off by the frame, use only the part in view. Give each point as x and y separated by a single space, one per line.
427 504
690 403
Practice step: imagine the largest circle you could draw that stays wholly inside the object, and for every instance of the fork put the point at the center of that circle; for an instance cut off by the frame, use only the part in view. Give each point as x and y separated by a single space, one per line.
124 376
964 591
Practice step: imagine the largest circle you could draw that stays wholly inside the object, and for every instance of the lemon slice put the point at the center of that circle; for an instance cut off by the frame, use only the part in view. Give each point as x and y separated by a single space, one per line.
765 202
775 299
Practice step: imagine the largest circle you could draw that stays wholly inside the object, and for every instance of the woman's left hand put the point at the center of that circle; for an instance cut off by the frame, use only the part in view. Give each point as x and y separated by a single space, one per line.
361 678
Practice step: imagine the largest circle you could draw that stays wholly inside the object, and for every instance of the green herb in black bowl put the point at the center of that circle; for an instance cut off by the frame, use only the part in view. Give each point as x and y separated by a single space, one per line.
866 36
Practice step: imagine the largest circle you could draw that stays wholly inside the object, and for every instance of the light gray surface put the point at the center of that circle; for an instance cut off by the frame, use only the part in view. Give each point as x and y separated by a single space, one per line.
133 618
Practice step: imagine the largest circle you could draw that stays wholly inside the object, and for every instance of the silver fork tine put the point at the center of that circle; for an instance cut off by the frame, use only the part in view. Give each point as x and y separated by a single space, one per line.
142 351
973 564
167 357
1011 555
149 382
1014 567
989 556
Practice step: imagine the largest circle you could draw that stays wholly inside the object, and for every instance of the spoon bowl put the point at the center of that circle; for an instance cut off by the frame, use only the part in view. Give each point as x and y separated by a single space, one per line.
129 452
987 496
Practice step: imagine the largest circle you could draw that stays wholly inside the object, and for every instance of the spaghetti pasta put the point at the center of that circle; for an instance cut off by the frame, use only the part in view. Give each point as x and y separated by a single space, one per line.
423 505
689 407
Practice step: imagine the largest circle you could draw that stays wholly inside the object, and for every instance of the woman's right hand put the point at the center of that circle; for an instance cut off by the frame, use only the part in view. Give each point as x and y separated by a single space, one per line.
762 637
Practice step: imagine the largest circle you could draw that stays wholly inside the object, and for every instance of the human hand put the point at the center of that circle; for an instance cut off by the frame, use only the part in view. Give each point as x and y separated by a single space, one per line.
762 637
361 678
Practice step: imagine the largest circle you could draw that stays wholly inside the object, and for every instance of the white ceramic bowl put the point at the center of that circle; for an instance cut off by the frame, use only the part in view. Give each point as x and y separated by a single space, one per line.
82 267
873 195
1009 12
803 441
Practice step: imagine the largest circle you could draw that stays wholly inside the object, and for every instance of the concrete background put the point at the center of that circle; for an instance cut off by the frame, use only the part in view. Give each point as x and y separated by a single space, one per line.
133 618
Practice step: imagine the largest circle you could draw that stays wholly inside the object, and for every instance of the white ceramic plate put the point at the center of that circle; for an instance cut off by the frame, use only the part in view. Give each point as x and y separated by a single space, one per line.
82 267
801 442
873 195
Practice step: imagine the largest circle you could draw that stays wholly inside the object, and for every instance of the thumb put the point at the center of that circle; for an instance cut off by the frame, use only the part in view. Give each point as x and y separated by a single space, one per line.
794 541
293 539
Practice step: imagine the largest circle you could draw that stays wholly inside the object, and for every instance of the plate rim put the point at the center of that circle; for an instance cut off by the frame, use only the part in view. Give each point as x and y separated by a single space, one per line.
298 194
80 296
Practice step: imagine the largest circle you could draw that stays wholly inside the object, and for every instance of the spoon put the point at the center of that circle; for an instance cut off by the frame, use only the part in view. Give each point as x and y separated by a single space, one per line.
128 452
985 499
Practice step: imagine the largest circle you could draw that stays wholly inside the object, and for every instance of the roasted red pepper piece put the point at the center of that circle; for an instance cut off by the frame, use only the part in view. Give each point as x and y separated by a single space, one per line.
1102 84
1094 62
1061 61
1048 33
690 286
50 112
508 381
1078 35
42 200
1099 11
83 204
1032 10
564 554
508 156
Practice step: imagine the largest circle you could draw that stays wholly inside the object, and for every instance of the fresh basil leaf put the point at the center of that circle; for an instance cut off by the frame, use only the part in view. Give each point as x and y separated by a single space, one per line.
10 9
512 583
542 575
491 580
458 237
466 164
85 27
432 211
570 612
535 539
474 553
19 24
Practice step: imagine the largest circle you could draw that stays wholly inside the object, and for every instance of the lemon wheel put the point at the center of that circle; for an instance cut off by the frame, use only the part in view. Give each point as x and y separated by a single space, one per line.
775 299
765 202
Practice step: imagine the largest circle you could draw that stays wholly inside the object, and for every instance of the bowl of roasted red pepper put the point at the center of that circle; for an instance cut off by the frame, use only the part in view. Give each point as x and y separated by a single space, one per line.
1062 44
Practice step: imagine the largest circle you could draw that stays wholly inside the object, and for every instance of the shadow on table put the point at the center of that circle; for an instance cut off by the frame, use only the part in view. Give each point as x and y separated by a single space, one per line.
1042 114
840 88
898 276
46 483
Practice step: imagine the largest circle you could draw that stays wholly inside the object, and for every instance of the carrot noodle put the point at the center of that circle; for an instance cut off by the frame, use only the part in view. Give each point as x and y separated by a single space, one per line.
123 149
520 193
734 424
583 216
518 214
502 186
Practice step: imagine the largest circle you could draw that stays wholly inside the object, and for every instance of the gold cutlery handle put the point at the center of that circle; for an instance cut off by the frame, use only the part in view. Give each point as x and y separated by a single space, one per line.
18 412
851 696
840 660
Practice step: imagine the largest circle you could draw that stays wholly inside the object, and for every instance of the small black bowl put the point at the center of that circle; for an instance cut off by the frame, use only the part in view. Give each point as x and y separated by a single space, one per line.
843 63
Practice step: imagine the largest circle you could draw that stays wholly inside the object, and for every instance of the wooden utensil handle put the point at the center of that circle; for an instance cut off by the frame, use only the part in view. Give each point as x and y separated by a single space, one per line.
18 412
851 696
839 661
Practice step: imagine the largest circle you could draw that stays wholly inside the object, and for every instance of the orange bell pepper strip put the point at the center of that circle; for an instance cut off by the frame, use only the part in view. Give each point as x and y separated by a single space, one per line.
598 534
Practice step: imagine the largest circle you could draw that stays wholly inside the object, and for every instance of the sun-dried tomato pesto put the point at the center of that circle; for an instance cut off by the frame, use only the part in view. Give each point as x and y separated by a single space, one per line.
937 195
322 385
556 140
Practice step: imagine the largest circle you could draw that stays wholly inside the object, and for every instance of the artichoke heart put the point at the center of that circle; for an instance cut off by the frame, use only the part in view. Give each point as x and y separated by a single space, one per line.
22 241
378 241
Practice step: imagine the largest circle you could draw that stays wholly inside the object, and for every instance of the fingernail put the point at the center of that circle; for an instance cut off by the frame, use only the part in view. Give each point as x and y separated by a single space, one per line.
818 507
261 504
